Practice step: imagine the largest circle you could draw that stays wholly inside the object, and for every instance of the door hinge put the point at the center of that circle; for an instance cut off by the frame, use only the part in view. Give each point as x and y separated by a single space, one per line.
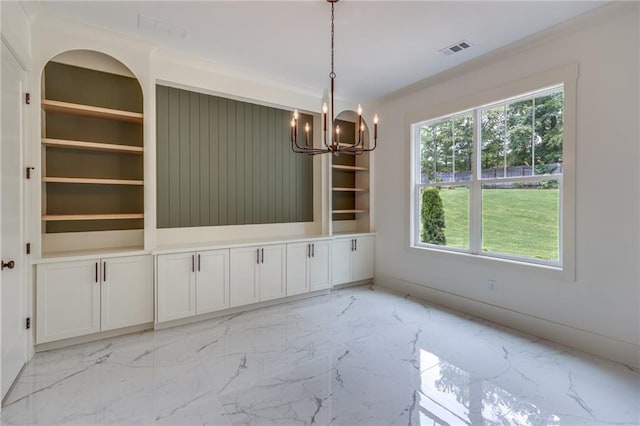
27 323
27 98
28 248
29 172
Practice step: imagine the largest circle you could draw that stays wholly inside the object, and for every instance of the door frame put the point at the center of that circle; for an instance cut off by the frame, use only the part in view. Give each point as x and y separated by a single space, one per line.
27 288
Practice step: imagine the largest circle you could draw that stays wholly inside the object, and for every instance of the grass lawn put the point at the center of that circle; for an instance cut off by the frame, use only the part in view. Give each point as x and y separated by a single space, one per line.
515 221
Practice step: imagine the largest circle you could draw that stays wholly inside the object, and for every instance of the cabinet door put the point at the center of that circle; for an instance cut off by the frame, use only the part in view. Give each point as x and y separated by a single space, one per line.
362 259
341 260
176 286
243 288
320 266
273 272
67 300
126 291
297 276
212 281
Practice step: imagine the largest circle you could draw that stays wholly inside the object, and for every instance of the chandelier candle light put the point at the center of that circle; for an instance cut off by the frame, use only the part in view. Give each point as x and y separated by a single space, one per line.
334 146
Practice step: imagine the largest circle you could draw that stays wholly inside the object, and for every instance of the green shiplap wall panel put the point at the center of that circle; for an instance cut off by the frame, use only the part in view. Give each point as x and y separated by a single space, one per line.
174 159
248 163
240 186
205 170
227 162
194 159
223 161
214 170
162 147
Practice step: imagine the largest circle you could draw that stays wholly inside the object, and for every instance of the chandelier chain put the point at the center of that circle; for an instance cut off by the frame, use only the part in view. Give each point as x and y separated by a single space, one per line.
332 74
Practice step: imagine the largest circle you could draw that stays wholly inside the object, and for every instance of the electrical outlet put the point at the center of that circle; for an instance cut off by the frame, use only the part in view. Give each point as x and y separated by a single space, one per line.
492 285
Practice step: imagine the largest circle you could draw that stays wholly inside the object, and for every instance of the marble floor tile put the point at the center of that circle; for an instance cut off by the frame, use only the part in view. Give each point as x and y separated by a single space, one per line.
358 356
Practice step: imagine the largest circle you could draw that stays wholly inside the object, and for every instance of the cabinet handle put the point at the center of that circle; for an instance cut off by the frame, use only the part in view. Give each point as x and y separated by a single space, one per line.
198 263
352 244
104 272
262 250
258 256
96 271
355 244
313 250
308 250
193 263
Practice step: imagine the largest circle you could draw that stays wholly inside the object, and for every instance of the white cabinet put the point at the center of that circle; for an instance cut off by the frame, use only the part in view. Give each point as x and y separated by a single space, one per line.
176 282
307 267
352 259
126 292
258 274
82 297
192 283
212 281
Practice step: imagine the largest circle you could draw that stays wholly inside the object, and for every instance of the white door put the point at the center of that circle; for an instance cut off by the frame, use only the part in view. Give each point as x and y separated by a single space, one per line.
68 300
341 260
176 286
12 278
298 255
126 291
244 266
362 259
319 266
212 281
273 272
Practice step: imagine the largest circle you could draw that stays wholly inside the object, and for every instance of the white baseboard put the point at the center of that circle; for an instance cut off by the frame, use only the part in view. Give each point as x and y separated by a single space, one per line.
593 343
237 309
72 341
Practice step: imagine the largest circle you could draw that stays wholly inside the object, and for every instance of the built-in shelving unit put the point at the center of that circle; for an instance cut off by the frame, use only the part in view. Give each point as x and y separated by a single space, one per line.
350 182
92 150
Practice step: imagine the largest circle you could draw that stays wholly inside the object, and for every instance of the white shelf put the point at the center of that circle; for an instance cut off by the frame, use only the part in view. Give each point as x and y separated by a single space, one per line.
92 146
91 111
349 211
349 168
336 189
116 216
52 179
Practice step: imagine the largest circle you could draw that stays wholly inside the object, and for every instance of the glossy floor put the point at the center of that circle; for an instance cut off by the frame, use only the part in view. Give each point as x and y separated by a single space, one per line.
362 356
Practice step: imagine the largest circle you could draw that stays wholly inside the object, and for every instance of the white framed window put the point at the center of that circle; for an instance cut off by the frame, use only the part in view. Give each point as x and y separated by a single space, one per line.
490 180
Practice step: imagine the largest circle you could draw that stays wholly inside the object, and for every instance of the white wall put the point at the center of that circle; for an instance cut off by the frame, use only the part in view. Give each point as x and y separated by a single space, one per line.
597 312
15 29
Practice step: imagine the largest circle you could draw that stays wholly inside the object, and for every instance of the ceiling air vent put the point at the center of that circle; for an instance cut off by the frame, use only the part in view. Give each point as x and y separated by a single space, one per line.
160 28
455 48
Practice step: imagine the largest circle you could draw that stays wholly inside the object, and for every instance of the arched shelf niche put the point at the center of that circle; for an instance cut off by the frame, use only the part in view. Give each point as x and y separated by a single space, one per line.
350 179
92 153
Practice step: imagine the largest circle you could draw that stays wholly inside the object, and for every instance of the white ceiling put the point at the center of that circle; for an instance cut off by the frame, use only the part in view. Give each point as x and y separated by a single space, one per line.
381 46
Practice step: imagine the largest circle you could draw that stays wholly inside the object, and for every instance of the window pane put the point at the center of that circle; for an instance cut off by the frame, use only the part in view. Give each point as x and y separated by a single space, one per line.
511 148
444 216
549 125
493 142
521 219
446 150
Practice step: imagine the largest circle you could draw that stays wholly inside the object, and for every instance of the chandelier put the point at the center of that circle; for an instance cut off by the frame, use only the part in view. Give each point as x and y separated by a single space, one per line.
334 144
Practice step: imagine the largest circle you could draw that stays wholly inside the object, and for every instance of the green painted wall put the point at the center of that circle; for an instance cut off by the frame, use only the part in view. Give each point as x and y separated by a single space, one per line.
227 162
